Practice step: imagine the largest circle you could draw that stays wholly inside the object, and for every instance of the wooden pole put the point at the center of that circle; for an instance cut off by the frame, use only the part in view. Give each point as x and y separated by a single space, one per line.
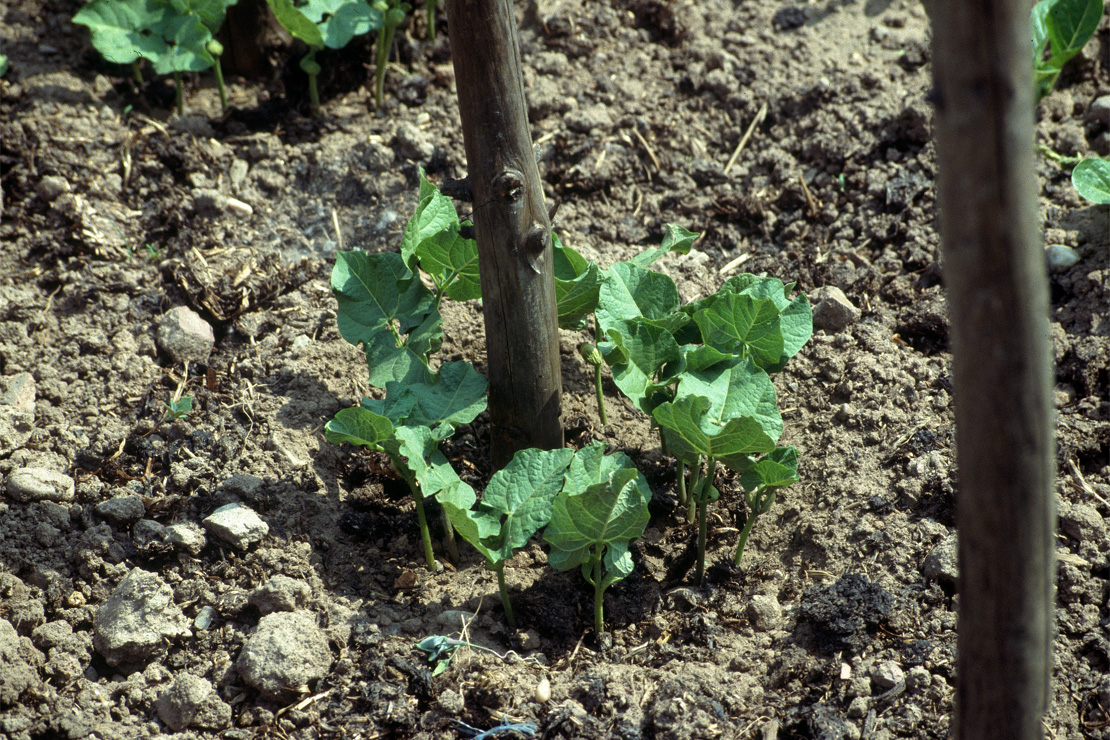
998 301
512 229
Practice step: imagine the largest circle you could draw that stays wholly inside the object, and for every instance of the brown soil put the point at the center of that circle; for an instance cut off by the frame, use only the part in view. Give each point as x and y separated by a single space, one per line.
637 106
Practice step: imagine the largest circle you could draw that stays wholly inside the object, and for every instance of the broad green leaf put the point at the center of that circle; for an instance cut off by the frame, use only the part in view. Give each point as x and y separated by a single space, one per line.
450 258
522 494
187 40
374 290
741 323
675 239
702 356
690 432
359 426
456 395
637 356
1070 23
1091 179
629 291
410 447
479 528
297 23
386 361
608 514
341 20
1040 31
735 390
210 12
796 323
124 30
435 213
577 285
777 469
591 465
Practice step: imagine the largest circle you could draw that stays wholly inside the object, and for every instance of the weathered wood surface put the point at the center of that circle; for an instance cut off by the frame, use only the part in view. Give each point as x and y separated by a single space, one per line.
512 229
998 301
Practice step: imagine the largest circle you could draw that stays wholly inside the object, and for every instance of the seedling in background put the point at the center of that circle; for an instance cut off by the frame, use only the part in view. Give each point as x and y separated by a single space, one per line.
1091 178
1060 29
394 13
175 35
178 408
603 507
517 503
324 23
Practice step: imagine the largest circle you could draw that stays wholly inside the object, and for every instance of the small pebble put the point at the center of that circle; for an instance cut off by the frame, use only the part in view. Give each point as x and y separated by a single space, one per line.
543 691
1060 257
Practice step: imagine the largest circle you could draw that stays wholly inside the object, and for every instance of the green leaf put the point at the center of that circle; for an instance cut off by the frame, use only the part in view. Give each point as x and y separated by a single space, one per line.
1091 179
187 40
360 427
210 12
734 390
741 323
577 285
675 239
523 492
4 64
375 290
690 432
479 528
387 361
341 20
124 30
777 469
449 258
456 395
637 356
591 465
435 213
629 291
1071 23
604 517
297 23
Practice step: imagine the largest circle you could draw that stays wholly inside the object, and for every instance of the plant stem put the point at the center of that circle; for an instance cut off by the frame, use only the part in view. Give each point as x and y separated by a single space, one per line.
385 38
313 93
703 526
693 491
220 84
449 536
429 556
683 495
600 396
752 515
432 19
137 72
500 570
179 94
599 596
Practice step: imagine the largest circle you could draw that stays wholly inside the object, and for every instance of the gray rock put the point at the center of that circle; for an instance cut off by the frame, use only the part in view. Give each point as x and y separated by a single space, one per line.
280 594
1060 257
191 701
242 484
590 117
186 536
236 525
40 484
52 186
765 612
16 427
147 534
16 674
451 702
941 563
1099 110
284 655
185 336
122 510
832 311
887 675
19 392
1082 522
51 634
138 621
209 202
454 619
413 143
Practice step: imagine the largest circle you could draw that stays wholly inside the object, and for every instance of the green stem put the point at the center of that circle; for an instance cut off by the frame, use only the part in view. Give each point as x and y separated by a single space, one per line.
599 597
429 556
137 72
220 84
179 94
313 93
683 495
449 536
432 19
703 527
385 39
600 396
752 516
500 571
693 491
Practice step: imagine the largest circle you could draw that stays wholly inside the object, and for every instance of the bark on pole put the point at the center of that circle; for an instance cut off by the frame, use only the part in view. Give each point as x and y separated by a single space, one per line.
998 302
512 229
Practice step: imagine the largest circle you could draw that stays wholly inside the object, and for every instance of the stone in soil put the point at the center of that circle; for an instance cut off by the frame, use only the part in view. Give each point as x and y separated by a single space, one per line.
40 484
16 675
186 536
941 563
286 653
280 594
122 510
138 621
832 311
237 525
184 336
191 701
